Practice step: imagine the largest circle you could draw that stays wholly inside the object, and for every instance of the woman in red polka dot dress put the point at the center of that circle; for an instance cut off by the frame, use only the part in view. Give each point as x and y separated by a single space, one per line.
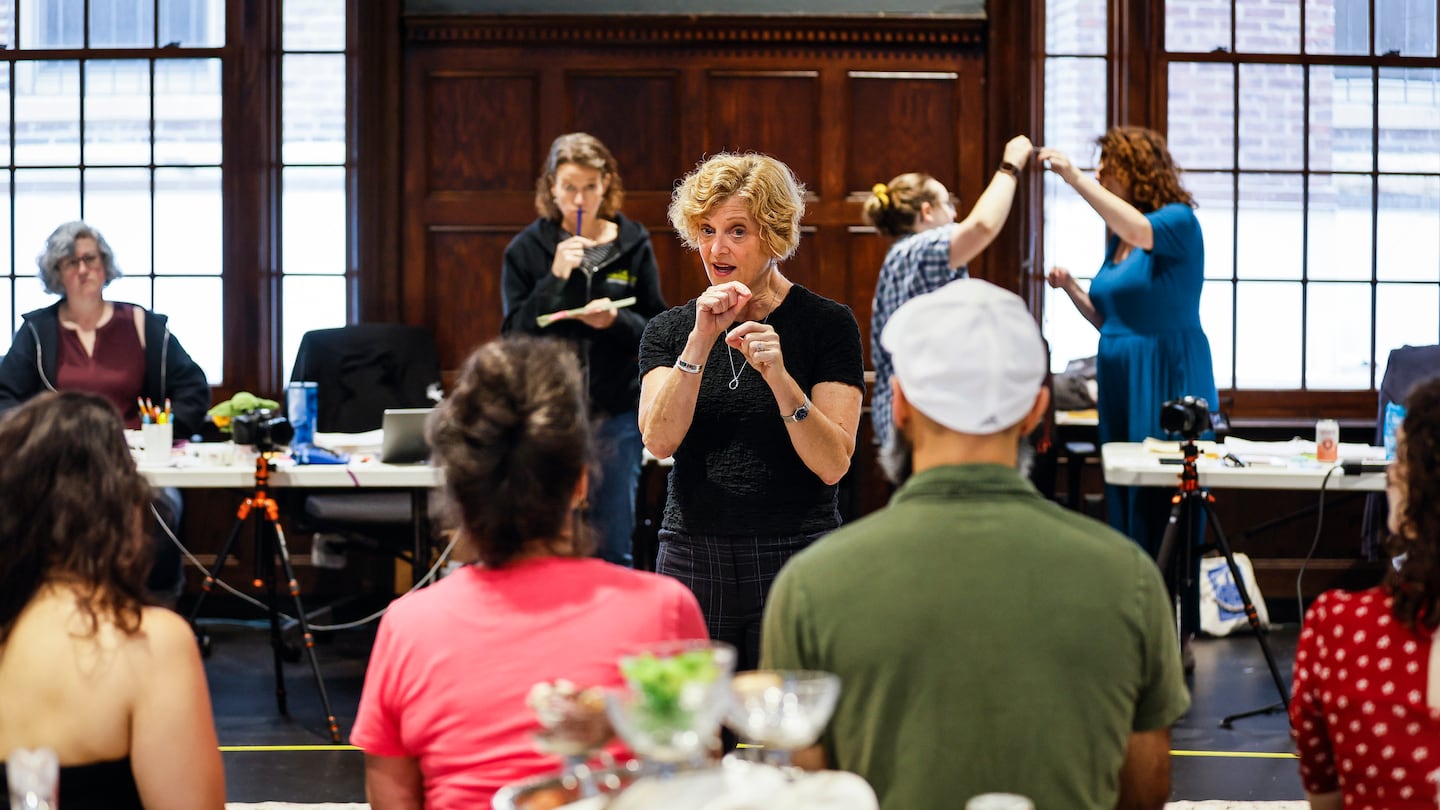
1366 709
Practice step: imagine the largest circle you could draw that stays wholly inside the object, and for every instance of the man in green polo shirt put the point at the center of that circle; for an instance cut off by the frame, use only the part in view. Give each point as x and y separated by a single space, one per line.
987 639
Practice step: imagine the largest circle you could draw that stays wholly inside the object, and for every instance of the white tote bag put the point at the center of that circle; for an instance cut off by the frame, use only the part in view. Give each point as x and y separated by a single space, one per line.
1221 609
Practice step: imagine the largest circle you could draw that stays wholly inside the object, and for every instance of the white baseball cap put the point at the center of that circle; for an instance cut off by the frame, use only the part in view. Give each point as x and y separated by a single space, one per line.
968 355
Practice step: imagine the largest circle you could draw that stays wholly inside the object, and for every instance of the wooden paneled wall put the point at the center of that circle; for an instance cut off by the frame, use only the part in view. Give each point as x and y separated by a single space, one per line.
844 102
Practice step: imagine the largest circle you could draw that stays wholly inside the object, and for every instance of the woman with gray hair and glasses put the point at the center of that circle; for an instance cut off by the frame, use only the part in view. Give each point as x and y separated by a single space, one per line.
120 351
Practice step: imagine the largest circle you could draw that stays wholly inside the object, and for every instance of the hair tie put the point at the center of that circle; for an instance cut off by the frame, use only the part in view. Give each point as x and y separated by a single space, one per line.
882 193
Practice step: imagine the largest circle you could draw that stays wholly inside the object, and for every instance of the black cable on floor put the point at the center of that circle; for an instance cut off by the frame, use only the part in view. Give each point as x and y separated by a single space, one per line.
1314 544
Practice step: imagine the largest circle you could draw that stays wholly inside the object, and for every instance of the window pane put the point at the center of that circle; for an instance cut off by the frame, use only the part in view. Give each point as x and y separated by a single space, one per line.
30 294
1075 107
7 27
44 198
1202 115
1267 317
1070 335
1215 195
117 112
122 24
313 25
1272 117
1337 343
1267 26
53 23
311 302
1342 106
1217 317
1405 27
187 217
1409 120
1337 27
1409 229
314 109
187 111
1074 233
197 319
314 220
1338 240
4 112
8 320
1075 26
47 113
25 269
1407 315
192 23
1197 26
117 201
130 289
1270 227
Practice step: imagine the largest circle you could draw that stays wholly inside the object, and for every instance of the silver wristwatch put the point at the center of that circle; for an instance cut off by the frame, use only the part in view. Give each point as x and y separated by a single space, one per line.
800 413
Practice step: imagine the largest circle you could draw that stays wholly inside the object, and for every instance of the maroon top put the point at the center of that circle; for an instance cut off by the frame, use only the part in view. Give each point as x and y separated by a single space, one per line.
115 371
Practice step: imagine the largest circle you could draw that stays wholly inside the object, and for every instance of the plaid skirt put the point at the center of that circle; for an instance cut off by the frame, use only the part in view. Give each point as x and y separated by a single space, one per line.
731 578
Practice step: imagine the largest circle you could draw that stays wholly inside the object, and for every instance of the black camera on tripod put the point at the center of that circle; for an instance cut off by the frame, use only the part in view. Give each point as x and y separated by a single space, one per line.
263 428
1188 416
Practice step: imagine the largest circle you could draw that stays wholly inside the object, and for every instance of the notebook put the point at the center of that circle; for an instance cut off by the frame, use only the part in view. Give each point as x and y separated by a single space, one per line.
404 436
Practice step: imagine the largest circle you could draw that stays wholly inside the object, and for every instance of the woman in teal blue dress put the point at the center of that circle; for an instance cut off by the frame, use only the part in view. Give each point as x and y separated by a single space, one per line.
1145 300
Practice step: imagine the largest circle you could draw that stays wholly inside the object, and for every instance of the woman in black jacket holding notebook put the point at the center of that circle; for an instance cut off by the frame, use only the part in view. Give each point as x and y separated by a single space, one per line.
582 253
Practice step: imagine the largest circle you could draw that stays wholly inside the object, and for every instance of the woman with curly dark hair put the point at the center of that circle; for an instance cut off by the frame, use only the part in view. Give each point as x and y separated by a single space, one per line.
87 669
1145 300
1364 708
443 718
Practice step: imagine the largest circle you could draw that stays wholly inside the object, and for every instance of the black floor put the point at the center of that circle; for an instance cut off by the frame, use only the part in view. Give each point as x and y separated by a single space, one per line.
271 757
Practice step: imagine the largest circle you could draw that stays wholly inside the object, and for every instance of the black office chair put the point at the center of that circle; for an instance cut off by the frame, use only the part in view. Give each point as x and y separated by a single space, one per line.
1407 367
359 371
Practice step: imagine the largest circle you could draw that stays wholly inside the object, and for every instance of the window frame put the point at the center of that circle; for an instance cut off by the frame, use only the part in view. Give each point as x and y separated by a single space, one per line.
1138 93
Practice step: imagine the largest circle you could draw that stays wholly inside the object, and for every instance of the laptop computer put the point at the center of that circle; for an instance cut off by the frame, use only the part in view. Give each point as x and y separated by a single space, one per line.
404 436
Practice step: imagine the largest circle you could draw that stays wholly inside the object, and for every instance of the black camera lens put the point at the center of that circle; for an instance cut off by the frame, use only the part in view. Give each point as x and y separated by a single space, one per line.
1188 416
263 428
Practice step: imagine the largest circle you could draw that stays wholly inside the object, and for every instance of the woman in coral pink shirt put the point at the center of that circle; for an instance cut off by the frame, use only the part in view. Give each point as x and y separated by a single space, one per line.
1366 708
443 717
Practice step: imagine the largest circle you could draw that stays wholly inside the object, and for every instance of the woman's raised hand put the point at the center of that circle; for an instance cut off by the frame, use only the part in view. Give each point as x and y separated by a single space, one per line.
716 307
1017 151
760 345
1060 278
568 256
1059 163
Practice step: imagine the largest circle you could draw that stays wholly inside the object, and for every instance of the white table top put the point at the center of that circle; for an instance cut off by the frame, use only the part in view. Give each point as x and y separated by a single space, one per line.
1131 464
286 474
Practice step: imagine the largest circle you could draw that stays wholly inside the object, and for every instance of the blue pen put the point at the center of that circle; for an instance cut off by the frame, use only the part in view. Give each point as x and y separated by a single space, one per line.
579 217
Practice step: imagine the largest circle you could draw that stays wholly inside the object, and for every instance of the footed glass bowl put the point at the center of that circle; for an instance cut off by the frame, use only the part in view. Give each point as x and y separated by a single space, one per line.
782 710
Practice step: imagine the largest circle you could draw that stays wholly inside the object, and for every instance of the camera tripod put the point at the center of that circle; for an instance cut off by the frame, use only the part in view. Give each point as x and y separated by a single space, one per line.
1190 502
269 546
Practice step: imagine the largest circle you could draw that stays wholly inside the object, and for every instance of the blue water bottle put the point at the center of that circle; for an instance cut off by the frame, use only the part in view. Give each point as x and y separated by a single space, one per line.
301 401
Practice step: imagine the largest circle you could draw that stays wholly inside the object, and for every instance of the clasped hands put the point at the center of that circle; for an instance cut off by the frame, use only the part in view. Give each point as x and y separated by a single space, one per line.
757 342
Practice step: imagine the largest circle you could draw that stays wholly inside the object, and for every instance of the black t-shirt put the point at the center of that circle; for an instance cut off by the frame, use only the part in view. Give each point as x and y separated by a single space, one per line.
736 472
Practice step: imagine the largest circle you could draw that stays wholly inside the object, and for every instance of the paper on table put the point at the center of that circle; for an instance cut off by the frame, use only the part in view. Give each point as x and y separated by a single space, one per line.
1297 447
547 319
1167 448
355 443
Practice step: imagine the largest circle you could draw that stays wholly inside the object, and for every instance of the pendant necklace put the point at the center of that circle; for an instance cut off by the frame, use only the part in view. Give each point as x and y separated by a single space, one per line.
730 353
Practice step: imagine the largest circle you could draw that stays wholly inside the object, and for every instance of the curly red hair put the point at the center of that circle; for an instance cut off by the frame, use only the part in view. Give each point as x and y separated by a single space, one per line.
1139 159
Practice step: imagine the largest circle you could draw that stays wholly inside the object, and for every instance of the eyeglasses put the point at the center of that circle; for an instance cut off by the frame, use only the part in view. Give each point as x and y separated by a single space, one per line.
74 262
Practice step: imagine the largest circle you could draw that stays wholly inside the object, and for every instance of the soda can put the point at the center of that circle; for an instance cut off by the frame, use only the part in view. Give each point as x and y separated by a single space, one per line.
1327 440
302 400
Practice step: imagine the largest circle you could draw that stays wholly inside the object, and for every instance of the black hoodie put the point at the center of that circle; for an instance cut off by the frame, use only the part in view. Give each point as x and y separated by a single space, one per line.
610 355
